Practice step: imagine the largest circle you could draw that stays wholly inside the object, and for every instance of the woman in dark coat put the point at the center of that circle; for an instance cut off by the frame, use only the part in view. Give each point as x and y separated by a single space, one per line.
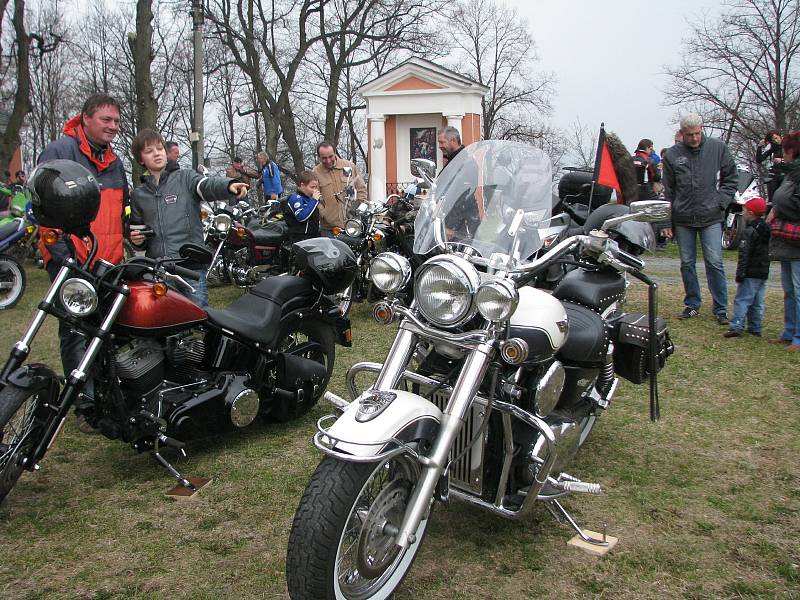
786 206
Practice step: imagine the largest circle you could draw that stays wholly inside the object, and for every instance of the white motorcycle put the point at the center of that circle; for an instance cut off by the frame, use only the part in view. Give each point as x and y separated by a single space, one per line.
490 386
747 188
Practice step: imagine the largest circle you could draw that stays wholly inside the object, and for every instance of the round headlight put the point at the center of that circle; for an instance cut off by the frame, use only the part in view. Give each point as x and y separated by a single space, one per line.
390 272
497 299
78 297
222 223
353 228
444 290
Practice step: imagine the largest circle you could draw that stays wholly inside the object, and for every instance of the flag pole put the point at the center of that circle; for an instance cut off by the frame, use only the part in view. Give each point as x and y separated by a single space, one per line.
600 142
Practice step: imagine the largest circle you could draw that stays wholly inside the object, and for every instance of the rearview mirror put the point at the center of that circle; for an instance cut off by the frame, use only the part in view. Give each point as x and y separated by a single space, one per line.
651 211
422 167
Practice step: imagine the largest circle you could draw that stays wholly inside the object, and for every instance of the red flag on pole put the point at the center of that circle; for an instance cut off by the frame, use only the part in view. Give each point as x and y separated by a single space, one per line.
604 171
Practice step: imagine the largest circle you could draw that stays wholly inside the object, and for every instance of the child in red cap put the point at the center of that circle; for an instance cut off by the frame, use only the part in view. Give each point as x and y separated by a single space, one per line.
751 271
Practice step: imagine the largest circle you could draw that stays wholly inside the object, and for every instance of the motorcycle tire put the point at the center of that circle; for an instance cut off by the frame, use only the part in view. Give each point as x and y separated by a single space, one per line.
732 236
321 341
12 281
19 432
337 546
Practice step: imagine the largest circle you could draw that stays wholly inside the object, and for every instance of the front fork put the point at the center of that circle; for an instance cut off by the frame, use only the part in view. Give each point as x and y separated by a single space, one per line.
461 398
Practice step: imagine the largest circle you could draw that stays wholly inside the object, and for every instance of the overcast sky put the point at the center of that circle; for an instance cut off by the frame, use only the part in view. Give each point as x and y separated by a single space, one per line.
609 57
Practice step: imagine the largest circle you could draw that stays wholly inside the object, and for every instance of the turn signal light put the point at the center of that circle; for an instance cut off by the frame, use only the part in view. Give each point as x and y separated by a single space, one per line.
241 232
203 215
377 236
159 289
382 313
30 229
49 237
336 231
514 351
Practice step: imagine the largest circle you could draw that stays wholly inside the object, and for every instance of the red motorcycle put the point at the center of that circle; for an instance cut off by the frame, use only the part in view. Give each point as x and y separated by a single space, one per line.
163 370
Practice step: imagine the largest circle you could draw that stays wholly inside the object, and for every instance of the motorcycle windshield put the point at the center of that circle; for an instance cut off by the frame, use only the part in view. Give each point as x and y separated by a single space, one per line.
494 196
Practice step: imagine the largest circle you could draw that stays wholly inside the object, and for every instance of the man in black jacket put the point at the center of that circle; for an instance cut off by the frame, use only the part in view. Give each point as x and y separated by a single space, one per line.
752 271
700 179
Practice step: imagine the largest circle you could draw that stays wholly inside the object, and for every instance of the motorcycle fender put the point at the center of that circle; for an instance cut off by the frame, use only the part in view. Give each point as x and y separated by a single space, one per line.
35 376
407 418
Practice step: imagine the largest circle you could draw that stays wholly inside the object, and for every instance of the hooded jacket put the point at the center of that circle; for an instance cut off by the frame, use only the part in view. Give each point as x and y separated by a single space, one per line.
108 225
172 208
700 182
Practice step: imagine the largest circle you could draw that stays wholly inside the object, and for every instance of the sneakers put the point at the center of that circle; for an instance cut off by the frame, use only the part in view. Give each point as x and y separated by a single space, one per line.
723 319
731 333
780 341
688 313
84 426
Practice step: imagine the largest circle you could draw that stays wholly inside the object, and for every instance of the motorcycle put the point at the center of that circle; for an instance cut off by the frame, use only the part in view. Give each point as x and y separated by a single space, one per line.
163 370
522 377
12 275
747 188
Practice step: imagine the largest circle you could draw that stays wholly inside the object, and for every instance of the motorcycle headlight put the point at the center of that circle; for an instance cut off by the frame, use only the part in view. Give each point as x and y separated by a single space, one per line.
78 297
444 290
390 272
353 228
222 223
497 299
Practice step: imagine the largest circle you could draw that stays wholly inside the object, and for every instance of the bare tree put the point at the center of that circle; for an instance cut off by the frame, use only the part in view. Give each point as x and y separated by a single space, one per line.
10 138
581 144
740 70
495 48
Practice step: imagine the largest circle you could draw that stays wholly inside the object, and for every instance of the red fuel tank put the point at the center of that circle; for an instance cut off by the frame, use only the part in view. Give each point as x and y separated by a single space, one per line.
145 311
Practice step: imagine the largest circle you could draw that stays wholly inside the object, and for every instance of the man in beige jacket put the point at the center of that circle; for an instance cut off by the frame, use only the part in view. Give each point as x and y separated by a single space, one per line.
332 174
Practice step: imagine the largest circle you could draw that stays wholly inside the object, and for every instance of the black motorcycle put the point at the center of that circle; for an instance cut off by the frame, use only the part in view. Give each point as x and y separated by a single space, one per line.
163 370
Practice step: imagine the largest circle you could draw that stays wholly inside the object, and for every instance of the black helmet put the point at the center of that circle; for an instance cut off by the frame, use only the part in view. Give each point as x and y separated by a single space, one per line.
64 195
328 262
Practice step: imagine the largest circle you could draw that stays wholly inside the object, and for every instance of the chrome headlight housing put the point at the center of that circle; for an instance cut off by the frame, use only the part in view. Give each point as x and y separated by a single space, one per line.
354 228
78 297
222 223
390 272
497 299
444 289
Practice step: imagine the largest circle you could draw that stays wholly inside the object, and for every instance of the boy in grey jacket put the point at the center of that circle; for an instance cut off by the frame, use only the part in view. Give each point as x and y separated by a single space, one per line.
168 203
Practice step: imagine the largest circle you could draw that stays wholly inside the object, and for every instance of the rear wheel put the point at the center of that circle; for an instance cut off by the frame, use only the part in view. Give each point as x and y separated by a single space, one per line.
19 433
342 544
313 339
12 281
732 231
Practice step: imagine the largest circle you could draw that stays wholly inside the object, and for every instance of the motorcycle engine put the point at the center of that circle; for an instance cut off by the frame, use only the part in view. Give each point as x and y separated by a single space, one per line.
140 367
185 353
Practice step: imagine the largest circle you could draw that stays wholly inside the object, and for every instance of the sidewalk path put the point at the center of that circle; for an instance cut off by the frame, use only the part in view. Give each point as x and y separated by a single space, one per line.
667 271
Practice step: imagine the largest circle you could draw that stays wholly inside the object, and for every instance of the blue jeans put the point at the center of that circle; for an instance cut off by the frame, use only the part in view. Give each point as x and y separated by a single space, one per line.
749 305
711 242
200 294
790 280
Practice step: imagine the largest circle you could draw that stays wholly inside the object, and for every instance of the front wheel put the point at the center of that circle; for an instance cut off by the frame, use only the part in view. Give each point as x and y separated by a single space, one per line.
341 546
732 231
19 433
12 281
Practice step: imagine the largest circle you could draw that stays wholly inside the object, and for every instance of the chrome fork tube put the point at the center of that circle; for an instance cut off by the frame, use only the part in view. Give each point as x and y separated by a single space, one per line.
94 346
40 315
461 399
396 361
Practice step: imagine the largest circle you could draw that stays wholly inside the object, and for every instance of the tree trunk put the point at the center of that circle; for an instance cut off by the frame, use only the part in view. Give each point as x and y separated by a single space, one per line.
10 140
141 44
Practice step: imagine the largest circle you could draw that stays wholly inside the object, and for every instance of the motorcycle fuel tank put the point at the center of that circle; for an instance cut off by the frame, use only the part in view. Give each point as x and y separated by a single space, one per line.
144 310
541 321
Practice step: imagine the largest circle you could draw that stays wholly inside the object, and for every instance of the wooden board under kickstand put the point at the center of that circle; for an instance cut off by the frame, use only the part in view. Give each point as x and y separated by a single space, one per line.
592 549
180 491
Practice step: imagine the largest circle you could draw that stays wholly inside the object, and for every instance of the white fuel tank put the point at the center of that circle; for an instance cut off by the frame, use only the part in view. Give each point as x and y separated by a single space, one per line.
541 321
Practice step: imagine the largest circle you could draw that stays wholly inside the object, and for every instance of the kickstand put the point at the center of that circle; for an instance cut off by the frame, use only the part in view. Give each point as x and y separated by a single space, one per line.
559 511
174 472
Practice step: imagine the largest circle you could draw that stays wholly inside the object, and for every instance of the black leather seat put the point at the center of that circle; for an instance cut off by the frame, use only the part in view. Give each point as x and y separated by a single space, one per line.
270 233
587 339
594 289
257 314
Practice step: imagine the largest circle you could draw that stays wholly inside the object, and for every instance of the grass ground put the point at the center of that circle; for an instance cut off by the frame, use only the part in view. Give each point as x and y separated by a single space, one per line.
706 502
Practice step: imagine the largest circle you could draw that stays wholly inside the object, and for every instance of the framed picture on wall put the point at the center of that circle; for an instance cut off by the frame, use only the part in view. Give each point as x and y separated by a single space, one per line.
423 143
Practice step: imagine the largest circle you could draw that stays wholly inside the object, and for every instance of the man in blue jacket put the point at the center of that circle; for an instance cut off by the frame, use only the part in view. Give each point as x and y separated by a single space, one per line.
700 180
270 177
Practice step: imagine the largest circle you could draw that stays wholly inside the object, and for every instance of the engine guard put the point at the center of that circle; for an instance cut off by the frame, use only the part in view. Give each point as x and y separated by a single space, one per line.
379 425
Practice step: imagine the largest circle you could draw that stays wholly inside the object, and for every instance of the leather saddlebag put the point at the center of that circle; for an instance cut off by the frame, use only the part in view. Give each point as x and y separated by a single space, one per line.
631 336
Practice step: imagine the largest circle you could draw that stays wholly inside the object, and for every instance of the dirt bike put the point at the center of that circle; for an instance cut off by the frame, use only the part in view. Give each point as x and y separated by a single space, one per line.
161 370
490 386
733 226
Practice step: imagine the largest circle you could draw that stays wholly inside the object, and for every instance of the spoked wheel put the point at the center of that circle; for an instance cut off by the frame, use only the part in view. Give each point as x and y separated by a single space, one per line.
732 231
342 543
312 339
12 281
19 433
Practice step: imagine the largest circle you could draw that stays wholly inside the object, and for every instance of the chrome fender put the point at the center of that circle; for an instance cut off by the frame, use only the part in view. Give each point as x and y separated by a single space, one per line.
368 427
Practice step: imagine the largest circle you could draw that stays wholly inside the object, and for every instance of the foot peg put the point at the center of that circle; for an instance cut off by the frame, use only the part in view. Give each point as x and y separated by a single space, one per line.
568 483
